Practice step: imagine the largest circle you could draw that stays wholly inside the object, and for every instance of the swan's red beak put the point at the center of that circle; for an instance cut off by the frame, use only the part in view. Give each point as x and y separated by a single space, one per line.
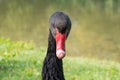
60 44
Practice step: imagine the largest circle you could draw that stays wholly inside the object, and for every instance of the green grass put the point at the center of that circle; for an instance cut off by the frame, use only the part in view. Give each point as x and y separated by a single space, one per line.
22 61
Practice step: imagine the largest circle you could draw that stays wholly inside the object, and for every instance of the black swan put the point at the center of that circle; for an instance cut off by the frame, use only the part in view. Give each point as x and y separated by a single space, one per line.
60 26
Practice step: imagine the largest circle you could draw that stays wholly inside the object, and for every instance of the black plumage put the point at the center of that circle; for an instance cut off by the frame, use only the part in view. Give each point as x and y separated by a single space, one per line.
52 66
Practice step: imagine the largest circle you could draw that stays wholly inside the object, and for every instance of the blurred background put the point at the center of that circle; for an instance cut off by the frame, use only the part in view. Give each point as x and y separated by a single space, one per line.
95 25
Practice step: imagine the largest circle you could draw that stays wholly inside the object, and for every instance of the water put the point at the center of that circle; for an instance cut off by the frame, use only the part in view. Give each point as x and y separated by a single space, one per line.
95 27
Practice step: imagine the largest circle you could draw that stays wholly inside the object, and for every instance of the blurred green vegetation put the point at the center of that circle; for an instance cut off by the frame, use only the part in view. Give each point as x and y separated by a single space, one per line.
95 24
22 61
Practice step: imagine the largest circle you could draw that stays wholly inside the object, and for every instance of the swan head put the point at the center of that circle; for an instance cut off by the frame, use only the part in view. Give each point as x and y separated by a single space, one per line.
60 26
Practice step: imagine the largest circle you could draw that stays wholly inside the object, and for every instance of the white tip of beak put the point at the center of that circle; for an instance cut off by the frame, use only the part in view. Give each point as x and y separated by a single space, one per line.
60 54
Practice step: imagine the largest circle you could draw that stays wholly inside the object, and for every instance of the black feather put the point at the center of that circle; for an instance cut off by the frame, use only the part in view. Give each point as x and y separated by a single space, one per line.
52 67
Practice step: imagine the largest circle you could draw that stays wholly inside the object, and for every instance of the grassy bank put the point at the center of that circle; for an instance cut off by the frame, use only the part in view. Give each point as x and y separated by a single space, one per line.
22 61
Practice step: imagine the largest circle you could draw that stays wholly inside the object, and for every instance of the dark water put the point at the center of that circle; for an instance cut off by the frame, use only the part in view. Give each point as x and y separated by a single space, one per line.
95 24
